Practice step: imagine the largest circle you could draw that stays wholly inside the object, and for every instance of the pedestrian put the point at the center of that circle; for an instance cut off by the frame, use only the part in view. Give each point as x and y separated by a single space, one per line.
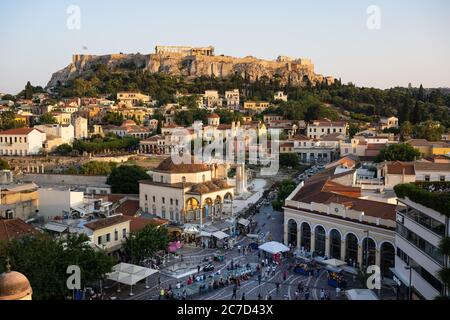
338 292
159 281
307 294
277 284
259 296
161 294
284 275
198 269
243 296
259 279
234 293
322 294
239 249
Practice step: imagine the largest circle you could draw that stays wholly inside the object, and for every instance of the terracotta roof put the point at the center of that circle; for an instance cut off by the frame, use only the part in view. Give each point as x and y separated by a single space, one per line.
139 223
398 167
167 165
14 228
326 192
375 146
300 137
418 142
213 116
107 222
432 166
128 208
18 131
327 123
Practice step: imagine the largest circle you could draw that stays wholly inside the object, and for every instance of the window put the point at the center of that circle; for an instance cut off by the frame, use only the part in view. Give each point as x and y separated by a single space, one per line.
420 243
99 240
116 235
154 199
108 237
176 202
146 197
163 200
124 233
427 178
442 178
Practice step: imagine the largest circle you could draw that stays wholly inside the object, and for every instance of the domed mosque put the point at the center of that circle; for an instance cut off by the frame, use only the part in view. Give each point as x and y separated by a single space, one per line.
14 285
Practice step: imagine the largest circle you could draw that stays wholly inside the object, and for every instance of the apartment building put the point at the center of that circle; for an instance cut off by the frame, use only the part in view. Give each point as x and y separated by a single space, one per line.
21 142
418 260
319 128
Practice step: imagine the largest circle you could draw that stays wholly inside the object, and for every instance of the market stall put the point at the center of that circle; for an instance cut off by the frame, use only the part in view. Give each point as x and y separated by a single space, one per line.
336 278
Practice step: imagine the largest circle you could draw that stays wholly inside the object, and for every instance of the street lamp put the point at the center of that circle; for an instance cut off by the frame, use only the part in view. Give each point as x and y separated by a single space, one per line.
408 267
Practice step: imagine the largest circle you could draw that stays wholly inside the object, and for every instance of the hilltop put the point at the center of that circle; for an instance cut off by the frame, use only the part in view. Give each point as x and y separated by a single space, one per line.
193 62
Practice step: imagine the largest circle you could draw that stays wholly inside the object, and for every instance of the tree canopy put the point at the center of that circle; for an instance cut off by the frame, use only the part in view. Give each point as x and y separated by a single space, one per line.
44 259
124 179
398 151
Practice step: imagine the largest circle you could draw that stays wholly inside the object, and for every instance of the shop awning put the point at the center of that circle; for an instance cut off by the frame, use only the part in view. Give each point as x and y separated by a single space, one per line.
130 274
400 276
220 235
191 229
273 247
361 294
205 234
334 262
55 227
244 222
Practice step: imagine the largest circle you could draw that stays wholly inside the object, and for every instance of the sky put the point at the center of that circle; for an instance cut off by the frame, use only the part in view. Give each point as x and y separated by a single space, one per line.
410 44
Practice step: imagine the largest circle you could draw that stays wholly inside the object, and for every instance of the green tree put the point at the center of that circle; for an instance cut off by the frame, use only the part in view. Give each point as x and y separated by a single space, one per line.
63 149
406 130
284 189
124 179
44 259
97 168
47 118
399 151
289 160
28 91
4 165
144 243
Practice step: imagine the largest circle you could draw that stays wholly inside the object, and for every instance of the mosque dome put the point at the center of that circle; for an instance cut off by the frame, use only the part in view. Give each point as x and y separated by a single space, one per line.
14 286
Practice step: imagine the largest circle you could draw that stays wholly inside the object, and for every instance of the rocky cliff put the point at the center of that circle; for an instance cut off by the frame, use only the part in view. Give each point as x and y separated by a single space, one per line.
286 69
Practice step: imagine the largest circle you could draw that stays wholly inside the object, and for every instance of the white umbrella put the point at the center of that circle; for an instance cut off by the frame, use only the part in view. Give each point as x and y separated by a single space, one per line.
334 262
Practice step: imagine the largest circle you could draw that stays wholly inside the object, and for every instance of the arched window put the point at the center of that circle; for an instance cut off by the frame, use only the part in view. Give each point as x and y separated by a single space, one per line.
335 244
320 238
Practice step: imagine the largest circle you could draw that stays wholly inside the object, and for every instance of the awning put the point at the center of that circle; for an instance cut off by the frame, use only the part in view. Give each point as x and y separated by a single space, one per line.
273 247
361 294
205 234
244 222
191 229
55 227
334 262
220 235
130 274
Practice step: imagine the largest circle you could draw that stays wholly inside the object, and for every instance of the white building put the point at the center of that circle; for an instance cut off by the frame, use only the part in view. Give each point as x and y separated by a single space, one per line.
65 132
319 128
280 95
211 99
21 142
418 260
233 99
55 202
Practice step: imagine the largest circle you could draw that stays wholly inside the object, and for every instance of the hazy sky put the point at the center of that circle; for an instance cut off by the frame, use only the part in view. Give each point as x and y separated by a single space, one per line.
412 45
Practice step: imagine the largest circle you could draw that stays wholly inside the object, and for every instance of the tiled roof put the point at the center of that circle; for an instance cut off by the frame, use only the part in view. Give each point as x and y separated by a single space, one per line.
14 228
18 131
107 222
326 192
398 167
432 166
128 208
139 223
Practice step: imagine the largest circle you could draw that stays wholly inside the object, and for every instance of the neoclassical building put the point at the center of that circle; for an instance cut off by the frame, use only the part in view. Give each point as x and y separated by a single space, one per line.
328 217
187 193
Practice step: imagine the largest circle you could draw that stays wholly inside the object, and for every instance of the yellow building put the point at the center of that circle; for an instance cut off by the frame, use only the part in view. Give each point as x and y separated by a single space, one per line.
109 233
19 201
132 98
427 148
62 117
258 106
